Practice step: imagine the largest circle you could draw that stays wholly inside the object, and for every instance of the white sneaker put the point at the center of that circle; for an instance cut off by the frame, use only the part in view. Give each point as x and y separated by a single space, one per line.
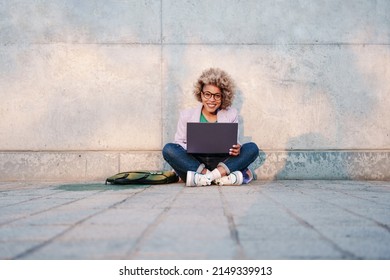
195 179
233 179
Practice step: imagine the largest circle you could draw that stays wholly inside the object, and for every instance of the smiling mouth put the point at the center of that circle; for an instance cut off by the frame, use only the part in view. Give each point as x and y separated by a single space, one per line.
212 106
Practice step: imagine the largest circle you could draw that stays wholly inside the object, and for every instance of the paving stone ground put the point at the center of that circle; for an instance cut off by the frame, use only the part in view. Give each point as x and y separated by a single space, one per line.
262 220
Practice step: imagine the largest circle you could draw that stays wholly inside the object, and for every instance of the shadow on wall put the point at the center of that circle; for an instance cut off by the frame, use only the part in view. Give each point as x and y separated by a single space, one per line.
328 165
304 164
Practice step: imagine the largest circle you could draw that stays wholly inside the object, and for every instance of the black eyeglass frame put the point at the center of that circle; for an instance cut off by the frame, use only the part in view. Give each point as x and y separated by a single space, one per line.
212 95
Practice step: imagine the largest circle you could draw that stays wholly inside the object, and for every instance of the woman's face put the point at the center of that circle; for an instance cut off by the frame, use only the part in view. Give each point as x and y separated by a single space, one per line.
215 98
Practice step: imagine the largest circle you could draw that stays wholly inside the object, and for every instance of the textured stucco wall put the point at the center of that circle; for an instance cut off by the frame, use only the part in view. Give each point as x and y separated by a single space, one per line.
89 88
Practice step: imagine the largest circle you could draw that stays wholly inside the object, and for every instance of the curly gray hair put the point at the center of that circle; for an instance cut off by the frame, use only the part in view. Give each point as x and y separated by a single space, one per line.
219 78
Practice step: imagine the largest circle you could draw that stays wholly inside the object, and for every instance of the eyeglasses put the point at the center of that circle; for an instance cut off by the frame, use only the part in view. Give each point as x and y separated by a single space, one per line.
207 95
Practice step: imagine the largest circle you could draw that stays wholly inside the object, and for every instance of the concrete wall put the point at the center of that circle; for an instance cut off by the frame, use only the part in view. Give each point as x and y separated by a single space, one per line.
90 88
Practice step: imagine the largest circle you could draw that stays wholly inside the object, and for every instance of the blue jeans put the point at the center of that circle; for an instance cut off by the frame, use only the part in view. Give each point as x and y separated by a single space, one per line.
181 161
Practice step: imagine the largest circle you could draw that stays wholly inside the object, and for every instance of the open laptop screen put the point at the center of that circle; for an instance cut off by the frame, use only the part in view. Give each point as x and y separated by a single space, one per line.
211 138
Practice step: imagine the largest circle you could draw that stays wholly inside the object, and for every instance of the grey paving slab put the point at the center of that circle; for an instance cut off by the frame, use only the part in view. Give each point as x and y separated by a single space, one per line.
262 220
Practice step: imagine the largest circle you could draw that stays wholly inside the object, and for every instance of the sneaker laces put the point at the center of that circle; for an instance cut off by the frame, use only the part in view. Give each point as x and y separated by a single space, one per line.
226 180
202 179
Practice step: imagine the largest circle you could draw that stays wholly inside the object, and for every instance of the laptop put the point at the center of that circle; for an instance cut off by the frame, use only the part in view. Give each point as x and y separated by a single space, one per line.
211 138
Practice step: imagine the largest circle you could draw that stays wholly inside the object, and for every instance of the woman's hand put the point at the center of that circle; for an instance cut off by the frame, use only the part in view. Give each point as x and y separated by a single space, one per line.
235 150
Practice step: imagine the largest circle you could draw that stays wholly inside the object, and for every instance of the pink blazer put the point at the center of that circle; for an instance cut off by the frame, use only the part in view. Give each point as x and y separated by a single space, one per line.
229 115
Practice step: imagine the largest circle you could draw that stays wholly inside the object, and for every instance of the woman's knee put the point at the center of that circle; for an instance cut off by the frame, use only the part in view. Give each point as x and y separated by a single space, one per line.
252 147
168 149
